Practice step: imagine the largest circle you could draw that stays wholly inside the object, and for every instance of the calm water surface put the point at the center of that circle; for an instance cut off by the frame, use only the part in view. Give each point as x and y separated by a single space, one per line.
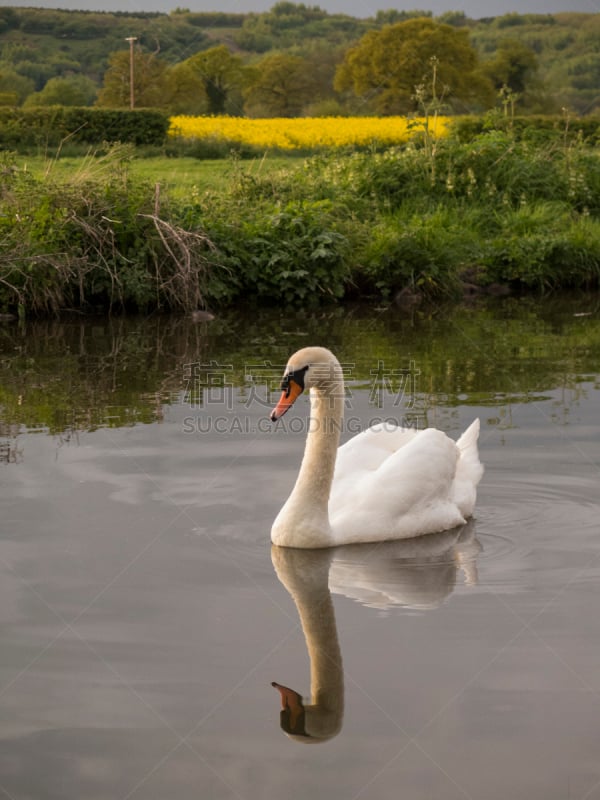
144 615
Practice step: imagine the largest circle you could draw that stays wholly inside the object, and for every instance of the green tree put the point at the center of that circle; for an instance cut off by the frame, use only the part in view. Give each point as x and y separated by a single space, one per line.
148 81
15 84
456 18
8 99
255 35
184 90
223 76
514 65
282 85
391 15
321 62
74 90
386 65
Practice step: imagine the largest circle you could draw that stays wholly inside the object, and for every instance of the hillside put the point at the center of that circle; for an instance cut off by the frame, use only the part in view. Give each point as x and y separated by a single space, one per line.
37 45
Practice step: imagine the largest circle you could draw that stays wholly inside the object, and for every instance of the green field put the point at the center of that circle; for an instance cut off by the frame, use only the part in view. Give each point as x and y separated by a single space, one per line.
177 175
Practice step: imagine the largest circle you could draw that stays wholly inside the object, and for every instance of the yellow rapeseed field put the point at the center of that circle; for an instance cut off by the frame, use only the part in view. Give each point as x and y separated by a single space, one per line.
305 132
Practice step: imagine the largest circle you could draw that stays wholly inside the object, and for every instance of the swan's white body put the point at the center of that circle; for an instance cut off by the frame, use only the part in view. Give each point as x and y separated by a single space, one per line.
384 484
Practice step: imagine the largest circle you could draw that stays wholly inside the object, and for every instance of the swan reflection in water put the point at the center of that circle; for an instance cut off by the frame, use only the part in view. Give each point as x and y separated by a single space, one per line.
413 573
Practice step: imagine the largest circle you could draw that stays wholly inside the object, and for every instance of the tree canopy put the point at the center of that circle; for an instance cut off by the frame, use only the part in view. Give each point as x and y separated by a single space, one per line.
281 86
514 65
387 65
73 90
222 75
149 74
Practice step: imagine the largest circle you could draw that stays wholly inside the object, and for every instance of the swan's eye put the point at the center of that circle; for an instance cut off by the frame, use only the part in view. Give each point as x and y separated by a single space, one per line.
296 375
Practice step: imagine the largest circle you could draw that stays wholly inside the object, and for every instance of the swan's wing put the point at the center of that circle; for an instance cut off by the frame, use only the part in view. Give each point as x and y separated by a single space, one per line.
369 449
407 494
422 472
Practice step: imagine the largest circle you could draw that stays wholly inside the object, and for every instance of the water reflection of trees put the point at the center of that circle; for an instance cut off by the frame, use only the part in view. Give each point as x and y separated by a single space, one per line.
80 375
10 452
65 376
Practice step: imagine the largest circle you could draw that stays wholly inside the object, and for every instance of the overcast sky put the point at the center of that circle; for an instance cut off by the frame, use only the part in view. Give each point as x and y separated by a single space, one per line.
357 8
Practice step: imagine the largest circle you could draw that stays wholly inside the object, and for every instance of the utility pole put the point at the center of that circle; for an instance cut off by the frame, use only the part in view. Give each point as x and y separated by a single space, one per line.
131 40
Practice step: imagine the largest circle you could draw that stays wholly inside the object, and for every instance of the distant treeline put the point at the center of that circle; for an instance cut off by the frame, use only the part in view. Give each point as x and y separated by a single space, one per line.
47 56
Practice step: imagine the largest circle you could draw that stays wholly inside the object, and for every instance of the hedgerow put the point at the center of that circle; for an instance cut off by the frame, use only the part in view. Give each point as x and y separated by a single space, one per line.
41 129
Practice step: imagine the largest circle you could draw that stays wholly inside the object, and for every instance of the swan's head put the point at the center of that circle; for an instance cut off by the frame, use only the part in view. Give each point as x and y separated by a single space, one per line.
310 367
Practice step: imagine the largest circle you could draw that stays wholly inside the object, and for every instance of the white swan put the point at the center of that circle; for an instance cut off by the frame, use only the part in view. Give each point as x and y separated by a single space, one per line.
383 484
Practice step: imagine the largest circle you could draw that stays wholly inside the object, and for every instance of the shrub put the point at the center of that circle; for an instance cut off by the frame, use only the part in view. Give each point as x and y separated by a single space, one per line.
424 251
495 209
535 127
286 255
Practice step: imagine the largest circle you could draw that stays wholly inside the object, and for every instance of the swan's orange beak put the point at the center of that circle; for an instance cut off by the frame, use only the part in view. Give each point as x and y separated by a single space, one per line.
287 399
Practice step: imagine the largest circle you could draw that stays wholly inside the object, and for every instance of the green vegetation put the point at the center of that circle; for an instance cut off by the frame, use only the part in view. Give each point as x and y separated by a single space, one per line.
181 177
48 129
387 66
295 59
496 212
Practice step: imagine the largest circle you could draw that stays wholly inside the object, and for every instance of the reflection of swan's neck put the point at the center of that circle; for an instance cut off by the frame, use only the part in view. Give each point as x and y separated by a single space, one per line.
304 520
304 574
326 676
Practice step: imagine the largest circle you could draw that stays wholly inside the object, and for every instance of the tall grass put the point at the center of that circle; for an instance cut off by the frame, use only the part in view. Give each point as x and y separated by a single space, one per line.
97 239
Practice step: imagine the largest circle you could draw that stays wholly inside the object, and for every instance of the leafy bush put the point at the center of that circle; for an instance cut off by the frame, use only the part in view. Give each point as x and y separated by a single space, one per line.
543 246
423 251
495 170
286 255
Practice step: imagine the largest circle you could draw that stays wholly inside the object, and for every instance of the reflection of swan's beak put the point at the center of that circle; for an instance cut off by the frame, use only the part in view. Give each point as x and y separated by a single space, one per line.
291 391
292 713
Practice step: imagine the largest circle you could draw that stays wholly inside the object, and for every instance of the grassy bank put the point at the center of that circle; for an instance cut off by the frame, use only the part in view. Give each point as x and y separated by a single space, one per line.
434 218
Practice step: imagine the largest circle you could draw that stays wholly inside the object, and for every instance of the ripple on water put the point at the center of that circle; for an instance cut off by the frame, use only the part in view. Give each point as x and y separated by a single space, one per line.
527 530
548 503
538 531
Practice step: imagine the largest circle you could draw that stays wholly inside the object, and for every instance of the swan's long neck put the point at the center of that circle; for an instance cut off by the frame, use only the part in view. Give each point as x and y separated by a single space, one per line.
318 463
304 519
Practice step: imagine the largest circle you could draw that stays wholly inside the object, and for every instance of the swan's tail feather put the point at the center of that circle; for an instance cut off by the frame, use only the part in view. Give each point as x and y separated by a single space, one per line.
470 436
469 470
469 452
